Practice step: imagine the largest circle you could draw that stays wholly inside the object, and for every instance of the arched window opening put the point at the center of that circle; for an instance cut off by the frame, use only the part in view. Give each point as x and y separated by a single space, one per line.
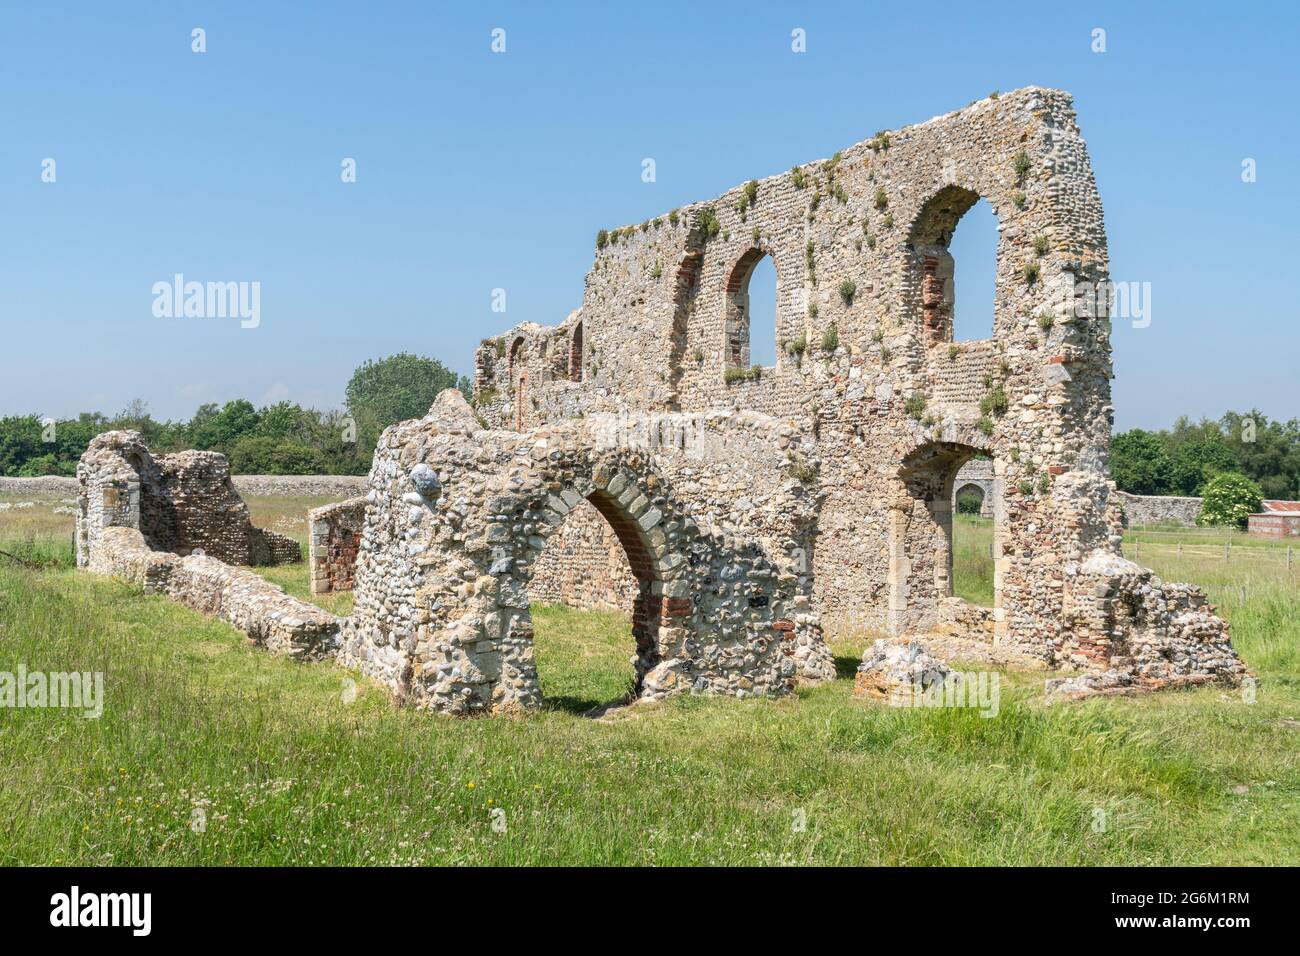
956 268
751 311
974 250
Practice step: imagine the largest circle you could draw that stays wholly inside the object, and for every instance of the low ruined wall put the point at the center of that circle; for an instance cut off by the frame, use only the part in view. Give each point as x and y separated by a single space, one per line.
45 485
271 619
335 538
583 565
299 486
1159 509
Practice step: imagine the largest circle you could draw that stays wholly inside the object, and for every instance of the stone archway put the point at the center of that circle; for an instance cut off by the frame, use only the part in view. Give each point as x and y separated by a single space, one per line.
921 532
459 515
975 476
660 611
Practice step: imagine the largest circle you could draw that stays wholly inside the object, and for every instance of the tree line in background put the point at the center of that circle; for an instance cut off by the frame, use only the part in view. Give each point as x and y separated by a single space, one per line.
279 439
1185 459
287 439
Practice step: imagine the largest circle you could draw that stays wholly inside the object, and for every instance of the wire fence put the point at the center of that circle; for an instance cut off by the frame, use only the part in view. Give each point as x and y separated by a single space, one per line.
1228 550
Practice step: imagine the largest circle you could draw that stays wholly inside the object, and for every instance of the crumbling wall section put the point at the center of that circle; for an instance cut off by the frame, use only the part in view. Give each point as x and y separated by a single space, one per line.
270 618
460 516
183 503
335 532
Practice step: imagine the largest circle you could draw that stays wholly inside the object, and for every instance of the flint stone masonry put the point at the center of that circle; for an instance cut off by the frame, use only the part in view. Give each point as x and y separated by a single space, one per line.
868 370
1142 510
758 506
170 525
889 667
183 503
718 547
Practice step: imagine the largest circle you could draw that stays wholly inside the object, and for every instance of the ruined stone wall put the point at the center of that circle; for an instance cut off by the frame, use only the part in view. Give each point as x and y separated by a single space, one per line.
270 618
459 517
583 565
183 503
171 525
1142 510
335 536
866 361
867 365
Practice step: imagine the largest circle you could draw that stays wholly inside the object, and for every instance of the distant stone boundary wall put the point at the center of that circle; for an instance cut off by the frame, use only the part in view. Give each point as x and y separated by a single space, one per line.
271 486
307 486
46 485
1159 509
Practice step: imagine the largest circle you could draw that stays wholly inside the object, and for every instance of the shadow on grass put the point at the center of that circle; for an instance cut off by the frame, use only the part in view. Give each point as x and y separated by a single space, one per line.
585 706
846 666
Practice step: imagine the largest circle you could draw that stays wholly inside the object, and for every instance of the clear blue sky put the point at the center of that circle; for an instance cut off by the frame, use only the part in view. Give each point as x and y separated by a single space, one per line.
478 171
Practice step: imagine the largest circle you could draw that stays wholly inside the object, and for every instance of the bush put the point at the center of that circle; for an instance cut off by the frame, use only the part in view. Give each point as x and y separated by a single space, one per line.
1228 499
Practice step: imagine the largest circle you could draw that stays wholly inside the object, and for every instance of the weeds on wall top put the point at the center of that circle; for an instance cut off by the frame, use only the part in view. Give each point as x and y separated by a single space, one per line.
831 339
848 289
882 198
1019 199
798 177
879 142
708 222
734 374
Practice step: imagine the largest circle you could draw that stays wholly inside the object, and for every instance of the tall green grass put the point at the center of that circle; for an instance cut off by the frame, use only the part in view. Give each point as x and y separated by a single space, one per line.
211 752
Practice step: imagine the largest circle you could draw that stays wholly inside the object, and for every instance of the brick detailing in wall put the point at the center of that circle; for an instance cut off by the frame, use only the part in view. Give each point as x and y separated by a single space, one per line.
335 532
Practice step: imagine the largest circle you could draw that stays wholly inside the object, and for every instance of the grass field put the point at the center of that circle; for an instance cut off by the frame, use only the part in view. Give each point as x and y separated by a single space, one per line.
211 752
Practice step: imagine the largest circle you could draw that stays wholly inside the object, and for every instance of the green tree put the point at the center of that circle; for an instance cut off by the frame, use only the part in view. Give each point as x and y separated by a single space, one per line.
20 441
1229 498
1196 462
1139 463
385 391
220 430
281 420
